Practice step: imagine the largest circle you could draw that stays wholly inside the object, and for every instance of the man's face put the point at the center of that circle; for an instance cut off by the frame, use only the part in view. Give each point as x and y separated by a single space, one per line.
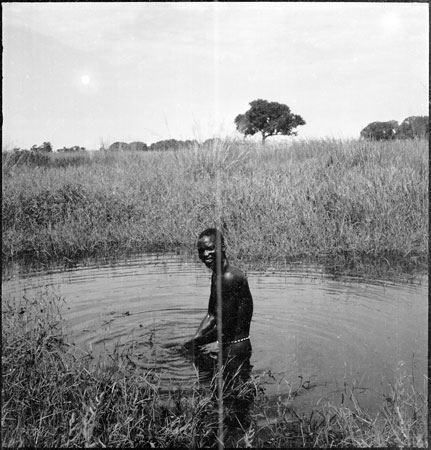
207 250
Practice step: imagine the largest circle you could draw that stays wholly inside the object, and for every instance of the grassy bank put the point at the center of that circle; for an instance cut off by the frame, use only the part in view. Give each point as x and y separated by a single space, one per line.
53 396
347 201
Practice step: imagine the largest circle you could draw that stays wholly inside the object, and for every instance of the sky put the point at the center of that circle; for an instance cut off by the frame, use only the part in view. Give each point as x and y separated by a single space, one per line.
91 73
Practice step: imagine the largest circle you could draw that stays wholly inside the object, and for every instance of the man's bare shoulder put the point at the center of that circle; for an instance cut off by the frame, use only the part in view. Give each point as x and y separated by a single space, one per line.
234 275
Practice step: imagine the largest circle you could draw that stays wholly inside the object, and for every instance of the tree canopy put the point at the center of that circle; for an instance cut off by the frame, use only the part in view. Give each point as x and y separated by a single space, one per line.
46 147
268 118
380 131
413 127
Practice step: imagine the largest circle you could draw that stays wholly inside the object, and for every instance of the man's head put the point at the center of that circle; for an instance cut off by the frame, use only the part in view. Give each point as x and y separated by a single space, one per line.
207 247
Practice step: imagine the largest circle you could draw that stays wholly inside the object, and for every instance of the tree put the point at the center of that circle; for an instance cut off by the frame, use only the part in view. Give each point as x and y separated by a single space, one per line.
138 146
380 131
268 118
167 144
74 149
171 144
46 147
118 146
413 127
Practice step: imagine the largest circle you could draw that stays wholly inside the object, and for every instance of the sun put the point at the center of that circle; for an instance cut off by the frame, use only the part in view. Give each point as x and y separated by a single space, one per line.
85 79
391 23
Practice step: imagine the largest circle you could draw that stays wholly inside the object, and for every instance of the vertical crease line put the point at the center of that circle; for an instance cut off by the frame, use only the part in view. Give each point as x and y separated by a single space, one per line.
219 335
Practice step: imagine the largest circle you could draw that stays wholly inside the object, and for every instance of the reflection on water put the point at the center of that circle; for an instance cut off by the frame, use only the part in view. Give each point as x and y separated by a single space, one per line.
309 329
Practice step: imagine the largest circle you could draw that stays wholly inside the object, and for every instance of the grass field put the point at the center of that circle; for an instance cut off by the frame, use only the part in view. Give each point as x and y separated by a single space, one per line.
354 203
55 396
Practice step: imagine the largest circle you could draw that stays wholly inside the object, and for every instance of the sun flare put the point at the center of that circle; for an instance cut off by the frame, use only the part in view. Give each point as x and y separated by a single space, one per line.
85 79
391 23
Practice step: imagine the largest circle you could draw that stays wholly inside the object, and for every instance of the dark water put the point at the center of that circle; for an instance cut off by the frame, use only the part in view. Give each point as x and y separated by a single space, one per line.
330 334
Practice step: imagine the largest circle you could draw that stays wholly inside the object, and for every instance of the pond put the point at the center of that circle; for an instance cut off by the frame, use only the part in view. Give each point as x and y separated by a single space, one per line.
332 335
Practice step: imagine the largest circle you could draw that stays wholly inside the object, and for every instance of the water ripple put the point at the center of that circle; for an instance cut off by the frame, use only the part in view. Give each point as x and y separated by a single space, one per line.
307 325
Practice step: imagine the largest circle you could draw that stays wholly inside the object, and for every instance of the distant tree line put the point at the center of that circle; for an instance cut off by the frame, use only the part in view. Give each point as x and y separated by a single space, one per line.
43 156
37 155
414 127
268 118
74 149
168 144
39 152
46 147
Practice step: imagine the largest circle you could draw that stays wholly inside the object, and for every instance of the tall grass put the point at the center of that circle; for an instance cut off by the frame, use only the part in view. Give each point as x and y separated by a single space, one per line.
52 396
402 421
13 161
340 200
55 396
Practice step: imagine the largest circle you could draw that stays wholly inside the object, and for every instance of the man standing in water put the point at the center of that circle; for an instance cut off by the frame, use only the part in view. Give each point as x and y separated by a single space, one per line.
237 308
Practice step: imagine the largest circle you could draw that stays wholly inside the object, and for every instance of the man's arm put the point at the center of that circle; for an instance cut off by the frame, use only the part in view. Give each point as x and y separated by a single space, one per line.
206 333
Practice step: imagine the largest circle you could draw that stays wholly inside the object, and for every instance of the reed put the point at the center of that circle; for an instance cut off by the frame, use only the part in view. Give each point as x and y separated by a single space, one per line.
401 420
344 201
54 395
